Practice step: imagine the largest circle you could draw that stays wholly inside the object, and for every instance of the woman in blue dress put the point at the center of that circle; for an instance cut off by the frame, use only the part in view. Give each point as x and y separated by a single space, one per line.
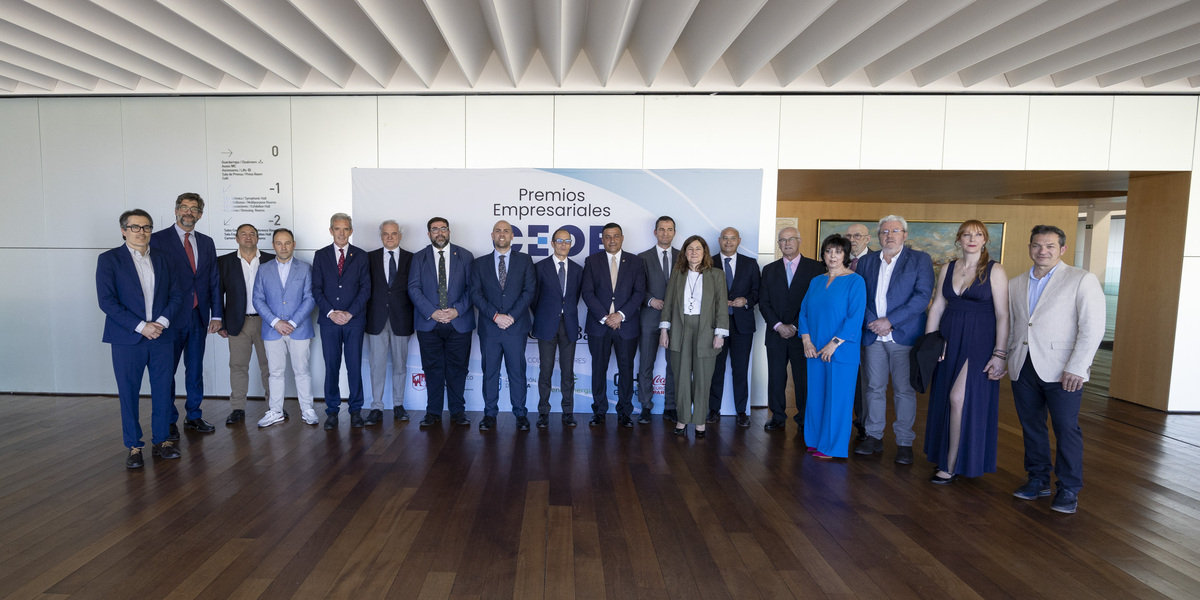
971 310
830 324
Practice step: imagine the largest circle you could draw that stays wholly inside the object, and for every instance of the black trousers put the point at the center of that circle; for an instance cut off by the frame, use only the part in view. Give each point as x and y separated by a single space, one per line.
564 342
780 353
601 347
444 356
737 346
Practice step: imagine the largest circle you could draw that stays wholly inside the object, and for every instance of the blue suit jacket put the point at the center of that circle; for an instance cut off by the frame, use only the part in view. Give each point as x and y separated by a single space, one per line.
204 282
119 292
513 300
549 303
598 293
908 295
423 284
349 291
746 279
291 302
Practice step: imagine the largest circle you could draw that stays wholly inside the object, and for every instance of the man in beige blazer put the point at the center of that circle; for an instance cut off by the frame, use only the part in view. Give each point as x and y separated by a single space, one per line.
1056 321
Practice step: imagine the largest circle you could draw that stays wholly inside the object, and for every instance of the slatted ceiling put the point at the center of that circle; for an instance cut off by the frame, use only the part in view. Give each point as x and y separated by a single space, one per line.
82 47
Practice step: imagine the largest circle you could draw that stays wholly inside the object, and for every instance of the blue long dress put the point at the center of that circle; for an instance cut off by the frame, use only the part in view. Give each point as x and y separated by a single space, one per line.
832 309
969 326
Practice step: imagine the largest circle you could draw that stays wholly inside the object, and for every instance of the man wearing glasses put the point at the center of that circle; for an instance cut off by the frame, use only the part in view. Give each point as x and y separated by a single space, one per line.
556 326
783 285
193 257
899 285
139 296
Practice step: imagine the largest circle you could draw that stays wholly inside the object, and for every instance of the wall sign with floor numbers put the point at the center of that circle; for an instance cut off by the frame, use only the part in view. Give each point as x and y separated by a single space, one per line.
249 167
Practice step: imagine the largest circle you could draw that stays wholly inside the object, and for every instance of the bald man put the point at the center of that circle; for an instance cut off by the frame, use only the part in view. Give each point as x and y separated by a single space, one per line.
742 280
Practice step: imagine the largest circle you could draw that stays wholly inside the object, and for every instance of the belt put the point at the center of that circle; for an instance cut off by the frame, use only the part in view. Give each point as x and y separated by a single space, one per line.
251 314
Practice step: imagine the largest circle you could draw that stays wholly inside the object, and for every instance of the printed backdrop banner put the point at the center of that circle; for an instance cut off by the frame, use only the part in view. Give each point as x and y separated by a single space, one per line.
537 202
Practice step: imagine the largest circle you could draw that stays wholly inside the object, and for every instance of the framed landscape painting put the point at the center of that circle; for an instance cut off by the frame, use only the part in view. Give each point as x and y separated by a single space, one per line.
934 237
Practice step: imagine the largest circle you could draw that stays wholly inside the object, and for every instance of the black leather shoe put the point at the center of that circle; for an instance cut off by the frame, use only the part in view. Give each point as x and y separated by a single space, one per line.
743 420
670 416
430 420
356 419
869 446
774 424
374 417
644 417
461 419
166 449
134 460
487 423
544 421
624 421
399 414
596 421
713 417
904 455
331 422
680 430
569 420
285 415
172 433
199 425
700 433
237 416
939 480
862 432
523 423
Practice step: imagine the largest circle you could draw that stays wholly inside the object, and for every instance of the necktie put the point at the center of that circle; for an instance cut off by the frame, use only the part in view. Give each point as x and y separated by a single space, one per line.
392 267
341 260
854 264
442 303
612 275
666 266
191 254
503 272
562 278
729 277
788 265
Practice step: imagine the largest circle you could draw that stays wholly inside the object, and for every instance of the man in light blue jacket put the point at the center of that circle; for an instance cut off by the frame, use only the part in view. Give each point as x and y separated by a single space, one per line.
283 298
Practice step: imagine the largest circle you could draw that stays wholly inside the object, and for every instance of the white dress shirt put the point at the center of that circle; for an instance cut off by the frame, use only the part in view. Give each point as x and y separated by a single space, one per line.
145 273
249 271
881 288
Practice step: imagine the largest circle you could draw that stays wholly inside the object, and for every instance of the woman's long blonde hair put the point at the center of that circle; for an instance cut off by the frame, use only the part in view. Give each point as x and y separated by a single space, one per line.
982 269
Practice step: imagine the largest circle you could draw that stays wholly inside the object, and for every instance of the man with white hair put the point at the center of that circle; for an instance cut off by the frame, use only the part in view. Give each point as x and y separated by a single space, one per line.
389 321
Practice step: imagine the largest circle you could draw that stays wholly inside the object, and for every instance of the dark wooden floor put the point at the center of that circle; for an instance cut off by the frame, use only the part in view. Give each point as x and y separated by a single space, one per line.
397 512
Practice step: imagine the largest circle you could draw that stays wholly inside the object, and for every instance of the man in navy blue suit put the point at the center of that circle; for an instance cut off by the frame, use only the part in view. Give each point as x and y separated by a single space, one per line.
614 284
193 257
899 285
341 281
556 326
502 288
742 277
139 296
439 287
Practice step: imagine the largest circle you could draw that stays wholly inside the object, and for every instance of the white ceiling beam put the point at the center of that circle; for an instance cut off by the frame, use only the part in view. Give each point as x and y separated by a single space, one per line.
26 76
1154 65
465 32
901 25
1025 27
609 25
88 43
224 23
8 85
510 23
842 22
344 23
560 27
957 29
1080 30
408 27
1173 74
66 55
39 64
286 25
1072 64
769 32
714 26
658 27
1134 54
1195 81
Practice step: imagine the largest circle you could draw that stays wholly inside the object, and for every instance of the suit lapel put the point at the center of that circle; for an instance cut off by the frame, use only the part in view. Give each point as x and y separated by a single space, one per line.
130 271
1048 291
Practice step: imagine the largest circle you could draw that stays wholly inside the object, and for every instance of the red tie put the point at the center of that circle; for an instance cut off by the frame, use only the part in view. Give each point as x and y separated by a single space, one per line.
191 254
341 260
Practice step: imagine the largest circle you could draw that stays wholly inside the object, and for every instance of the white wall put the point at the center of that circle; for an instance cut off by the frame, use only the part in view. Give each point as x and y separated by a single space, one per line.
68 167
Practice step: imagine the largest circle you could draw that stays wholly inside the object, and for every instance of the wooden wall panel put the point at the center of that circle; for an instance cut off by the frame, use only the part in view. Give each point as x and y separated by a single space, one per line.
1148 303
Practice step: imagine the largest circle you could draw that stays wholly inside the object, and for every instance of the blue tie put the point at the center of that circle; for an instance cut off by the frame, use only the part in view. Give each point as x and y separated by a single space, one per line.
729 277
788 266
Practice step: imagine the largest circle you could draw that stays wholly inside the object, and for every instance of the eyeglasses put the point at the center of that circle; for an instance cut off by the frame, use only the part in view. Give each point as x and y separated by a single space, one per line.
883 232
791 239
139 228
562 241
195 210
439 230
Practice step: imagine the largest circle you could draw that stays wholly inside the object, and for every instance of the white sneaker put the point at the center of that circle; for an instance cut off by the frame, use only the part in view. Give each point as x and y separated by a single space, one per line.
310 417
270 419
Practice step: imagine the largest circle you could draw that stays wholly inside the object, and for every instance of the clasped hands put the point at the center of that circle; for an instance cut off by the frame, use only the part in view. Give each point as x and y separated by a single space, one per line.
444 315
614 320
503 321
152 330
880 327
284 328
825 354
340 317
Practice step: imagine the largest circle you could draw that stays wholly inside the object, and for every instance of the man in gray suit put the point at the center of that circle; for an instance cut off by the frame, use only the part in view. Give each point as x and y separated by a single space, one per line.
659 260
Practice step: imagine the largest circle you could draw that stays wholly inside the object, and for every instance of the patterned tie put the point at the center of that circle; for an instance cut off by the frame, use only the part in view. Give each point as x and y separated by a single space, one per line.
442 303
729 277
503 272
191 254
562 278
666 266
392 267
341 260
612 275
854 264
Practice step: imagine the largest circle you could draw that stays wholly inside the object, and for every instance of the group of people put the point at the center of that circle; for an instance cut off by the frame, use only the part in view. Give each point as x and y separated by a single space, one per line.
824 318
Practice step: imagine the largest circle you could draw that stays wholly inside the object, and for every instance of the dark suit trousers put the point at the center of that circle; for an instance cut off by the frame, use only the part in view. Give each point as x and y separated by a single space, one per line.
780 353
338 341
129 363
601 347
511 349
564 342
190 337
1035 398
444 356
738 345
648 352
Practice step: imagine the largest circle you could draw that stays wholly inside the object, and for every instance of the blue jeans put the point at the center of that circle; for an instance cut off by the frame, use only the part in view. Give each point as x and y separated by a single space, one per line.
1035 398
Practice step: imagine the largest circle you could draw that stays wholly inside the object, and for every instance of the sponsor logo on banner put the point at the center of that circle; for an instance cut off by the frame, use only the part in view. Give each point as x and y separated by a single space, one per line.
418 381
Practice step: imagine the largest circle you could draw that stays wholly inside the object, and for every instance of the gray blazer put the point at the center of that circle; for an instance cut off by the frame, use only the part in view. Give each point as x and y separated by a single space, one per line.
656 285
714 310
1064 330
